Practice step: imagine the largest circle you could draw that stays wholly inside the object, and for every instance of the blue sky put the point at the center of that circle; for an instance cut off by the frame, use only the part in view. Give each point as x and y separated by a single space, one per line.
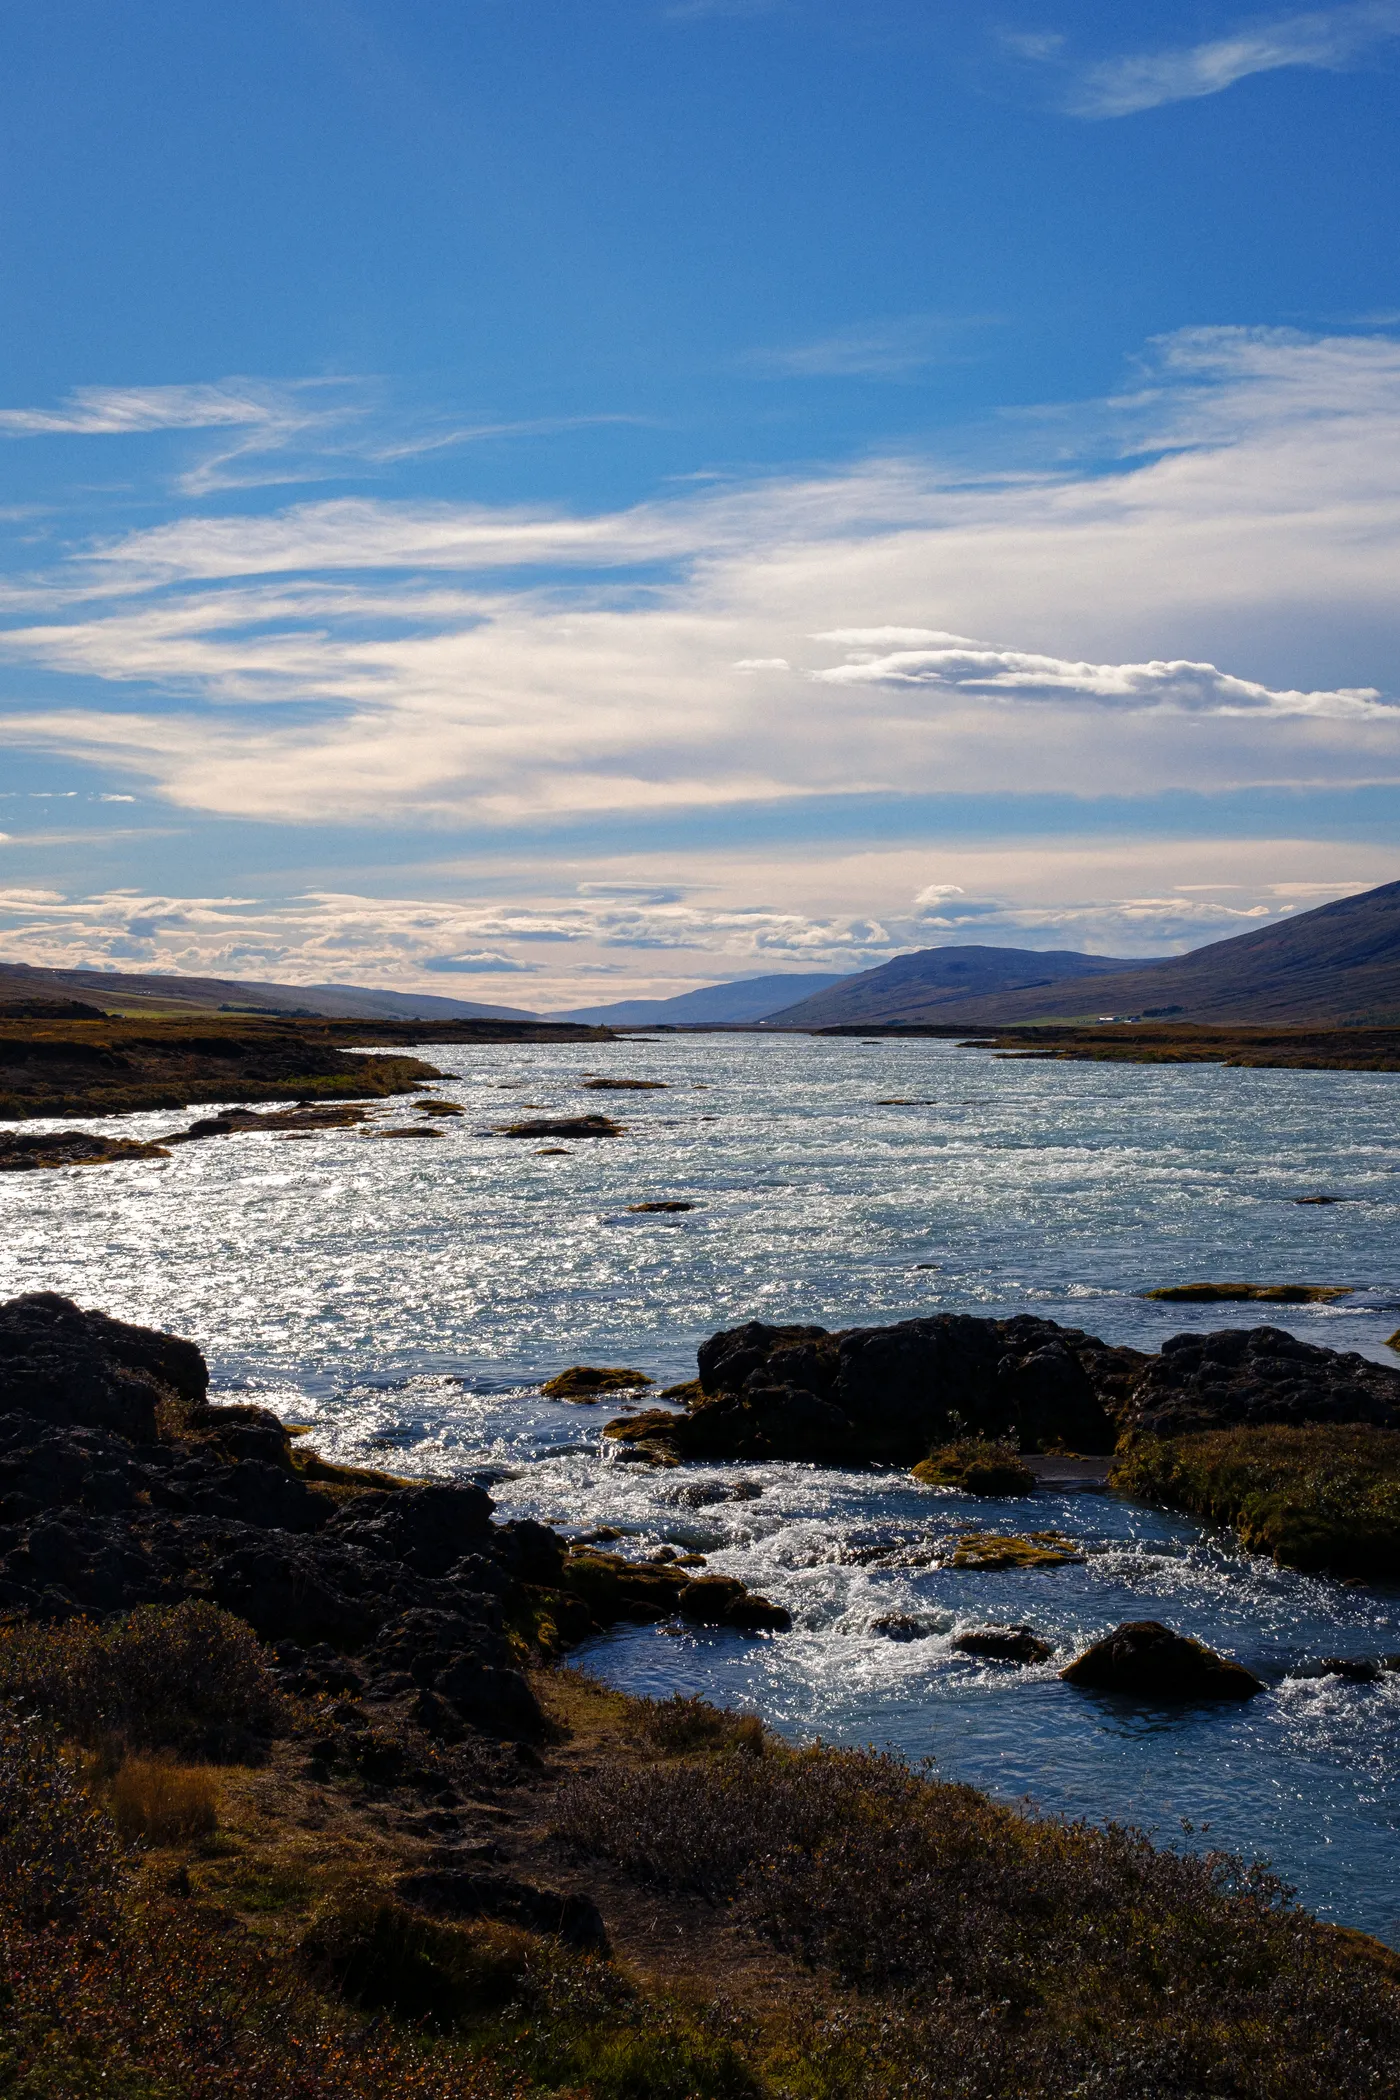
552 501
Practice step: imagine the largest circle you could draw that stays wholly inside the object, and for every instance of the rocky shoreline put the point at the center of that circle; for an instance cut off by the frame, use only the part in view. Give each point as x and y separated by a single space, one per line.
1243 1426
275 1736
122 1486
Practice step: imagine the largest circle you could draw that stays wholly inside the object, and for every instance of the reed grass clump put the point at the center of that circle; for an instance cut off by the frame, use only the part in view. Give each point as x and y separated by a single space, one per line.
162 1803
680 1724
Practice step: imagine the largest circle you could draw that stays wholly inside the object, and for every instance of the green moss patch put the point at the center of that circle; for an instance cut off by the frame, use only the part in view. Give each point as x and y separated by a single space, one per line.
977 1466
1325 1497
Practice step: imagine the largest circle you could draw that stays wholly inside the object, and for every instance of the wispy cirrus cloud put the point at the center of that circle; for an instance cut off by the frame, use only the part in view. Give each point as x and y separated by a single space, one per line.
1325 40
277 431
895 349
456 664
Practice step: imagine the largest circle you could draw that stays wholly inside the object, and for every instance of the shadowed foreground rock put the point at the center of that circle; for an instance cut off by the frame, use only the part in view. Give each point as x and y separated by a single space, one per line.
120 1485
1149 1661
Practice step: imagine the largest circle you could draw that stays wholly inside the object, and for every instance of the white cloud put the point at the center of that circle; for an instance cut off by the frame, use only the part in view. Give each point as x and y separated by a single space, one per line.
1216 610
1014 675
1325 40
839 911
111 411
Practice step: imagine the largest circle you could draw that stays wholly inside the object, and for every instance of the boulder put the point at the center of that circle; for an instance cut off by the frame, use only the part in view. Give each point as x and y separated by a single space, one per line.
65 1366
1012 1644
898 1626
890 1394
1244 1377
1148 1661
563 1127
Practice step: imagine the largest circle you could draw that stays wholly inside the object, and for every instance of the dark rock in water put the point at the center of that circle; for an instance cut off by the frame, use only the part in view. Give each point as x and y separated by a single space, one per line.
645 1591
22 1152
1149 1661
892 1393
1013 1644
592 1381
305 1117
1353 1669
1242 1377
1256 1293
565 1127
720 1600
898 1626
625 1086
647 1207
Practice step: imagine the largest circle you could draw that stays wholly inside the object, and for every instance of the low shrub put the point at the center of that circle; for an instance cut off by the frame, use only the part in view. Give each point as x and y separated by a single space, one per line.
1056 1957
189 1678
171 2008
1324 1496
60 1859
385 1956
163 1803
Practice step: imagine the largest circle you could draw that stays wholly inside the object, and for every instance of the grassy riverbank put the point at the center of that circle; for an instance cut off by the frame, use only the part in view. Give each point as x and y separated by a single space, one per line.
208 1887
1143 1043
114 1064
1324 1496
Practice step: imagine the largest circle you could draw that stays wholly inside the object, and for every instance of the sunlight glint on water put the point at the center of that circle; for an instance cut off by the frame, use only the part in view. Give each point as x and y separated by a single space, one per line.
406 1295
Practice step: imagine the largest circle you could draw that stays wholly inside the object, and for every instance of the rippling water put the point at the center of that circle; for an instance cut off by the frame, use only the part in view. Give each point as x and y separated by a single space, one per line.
408 1295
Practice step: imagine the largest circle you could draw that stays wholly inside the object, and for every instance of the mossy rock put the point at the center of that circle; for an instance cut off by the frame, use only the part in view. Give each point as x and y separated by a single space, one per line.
592 1381
614 1588
1254 1293
994 1550
1147 1660
976 1467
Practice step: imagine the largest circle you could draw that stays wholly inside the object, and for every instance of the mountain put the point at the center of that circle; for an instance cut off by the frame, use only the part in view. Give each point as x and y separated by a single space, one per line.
746 999
346 1002
1339 963
931 983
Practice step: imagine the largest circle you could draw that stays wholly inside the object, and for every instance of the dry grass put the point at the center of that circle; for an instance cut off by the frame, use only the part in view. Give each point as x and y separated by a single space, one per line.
163 1803
993 1954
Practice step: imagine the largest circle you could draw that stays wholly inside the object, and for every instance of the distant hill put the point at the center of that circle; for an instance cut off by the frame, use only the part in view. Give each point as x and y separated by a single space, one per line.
929 984
1339 963
746 999
134 991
